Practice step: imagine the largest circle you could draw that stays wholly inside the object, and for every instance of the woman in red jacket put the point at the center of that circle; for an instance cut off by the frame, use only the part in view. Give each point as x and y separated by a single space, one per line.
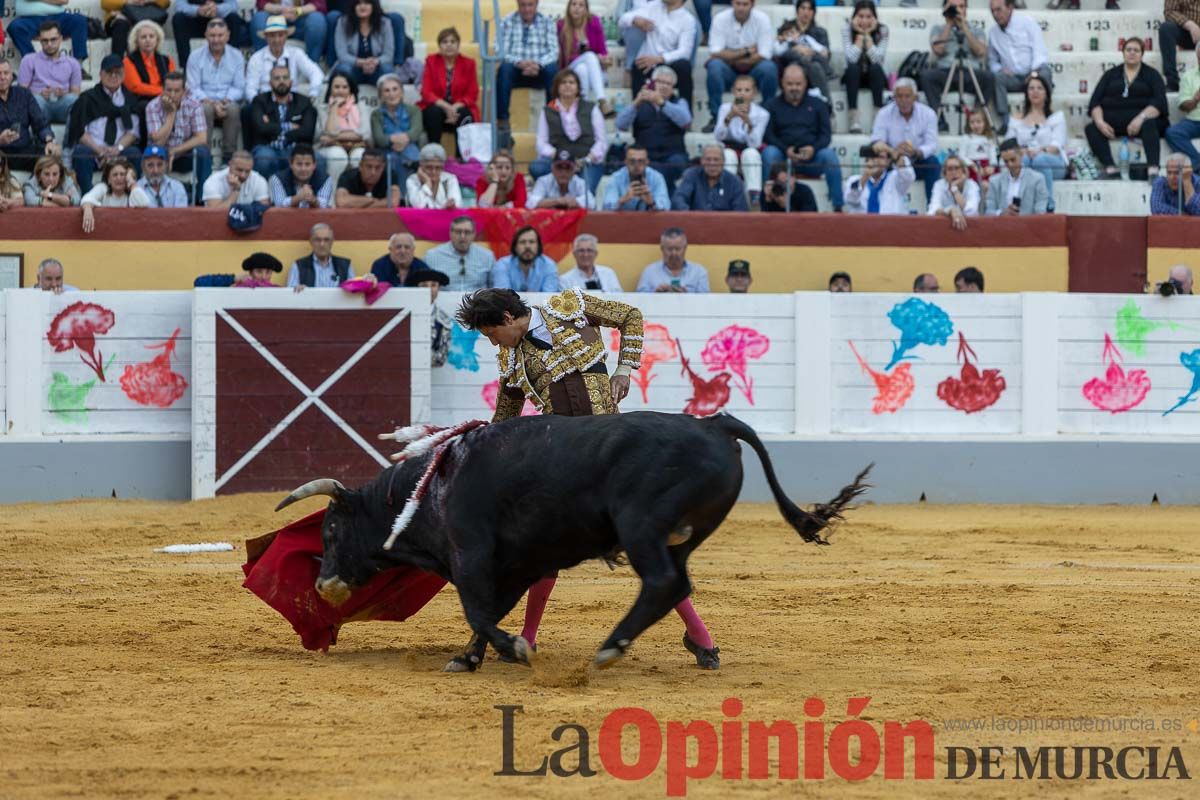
449 88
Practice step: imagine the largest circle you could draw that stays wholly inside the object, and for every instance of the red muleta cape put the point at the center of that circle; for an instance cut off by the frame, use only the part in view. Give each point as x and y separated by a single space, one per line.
282 568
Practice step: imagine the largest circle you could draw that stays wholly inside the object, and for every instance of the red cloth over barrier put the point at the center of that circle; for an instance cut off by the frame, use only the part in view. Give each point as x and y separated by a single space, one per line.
282 569
496 226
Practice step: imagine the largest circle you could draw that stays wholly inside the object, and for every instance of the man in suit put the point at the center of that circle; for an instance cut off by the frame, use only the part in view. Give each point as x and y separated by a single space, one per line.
276 121
1016 190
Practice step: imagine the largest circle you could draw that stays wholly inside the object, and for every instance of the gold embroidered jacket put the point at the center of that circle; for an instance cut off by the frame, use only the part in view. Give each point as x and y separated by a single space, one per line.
564 379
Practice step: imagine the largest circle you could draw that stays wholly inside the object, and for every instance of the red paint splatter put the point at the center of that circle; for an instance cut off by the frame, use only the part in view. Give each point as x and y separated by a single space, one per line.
1118 390
894 389
76 326
972 391
490 391
153 382
657 345
708 396
728 349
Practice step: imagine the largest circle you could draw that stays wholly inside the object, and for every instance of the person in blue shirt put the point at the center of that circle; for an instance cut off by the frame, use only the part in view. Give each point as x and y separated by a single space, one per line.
710 187
400 261
526 268
637 186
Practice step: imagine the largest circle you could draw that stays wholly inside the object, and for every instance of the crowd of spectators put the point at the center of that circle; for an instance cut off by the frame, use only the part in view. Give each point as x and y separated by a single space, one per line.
299 89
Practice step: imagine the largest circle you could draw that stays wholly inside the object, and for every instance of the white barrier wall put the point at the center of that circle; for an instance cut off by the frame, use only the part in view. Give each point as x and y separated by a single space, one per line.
810 364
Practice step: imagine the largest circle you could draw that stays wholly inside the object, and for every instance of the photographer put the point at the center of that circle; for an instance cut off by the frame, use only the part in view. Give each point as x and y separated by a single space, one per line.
1179 281
775 194
949 41
1175 193
881 188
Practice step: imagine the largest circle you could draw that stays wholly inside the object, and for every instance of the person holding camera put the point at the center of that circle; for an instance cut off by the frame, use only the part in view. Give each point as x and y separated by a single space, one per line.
637 186
1016 49
775 194
955 196
882 188
741 125
799 133
1177 192
659 119
1016 190
955 41
1179 281
588 276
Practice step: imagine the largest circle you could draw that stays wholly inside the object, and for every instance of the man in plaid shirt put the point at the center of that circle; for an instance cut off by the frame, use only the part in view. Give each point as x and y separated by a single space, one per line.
175 120
529 41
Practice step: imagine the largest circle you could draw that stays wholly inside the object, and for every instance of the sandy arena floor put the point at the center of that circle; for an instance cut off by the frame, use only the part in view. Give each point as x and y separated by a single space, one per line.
126 673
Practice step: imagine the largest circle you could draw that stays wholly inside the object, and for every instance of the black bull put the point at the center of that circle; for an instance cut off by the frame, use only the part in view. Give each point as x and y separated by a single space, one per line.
520 499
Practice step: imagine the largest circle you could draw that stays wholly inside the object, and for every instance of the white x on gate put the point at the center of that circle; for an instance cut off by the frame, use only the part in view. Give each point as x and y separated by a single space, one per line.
311 396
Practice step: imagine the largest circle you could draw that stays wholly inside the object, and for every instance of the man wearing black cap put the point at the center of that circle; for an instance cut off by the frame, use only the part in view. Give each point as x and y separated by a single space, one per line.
440 323
258 268
103 125
562 188
738 277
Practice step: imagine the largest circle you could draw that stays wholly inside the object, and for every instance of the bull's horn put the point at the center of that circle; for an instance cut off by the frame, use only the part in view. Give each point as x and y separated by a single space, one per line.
325 486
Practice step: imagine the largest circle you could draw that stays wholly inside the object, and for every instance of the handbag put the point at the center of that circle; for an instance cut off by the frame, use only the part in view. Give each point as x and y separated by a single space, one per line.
475 142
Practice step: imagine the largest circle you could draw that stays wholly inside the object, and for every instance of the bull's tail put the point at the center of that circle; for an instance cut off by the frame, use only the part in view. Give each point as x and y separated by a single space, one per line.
808 524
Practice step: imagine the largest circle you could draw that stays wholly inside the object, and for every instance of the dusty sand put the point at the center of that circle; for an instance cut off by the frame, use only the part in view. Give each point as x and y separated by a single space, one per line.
127 673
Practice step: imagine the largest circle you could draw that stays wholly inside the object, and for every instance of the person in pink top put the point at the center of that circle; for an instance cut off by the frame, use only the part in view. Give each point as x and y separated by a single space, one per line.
581 49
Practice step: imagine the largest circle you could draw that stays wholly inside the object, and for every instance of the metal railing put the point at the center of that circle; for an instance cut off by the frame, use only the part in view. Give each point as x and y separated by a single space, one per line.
491 53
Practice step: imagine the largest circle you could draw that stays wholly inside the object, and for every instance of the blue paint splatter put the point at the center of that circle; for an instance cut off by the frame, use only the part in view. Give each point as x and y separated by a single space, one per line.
462 349
1191 362
919 323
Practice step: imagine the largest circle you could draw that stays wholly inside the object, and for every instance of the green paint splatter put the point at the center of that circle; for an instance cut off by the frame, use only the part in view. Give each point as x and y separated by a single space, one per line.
1133 328
69 400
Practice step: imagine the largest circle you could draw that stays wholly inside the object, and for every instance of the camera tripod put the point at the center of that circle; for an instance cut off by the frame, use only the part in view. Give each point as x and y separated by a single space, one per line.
961 69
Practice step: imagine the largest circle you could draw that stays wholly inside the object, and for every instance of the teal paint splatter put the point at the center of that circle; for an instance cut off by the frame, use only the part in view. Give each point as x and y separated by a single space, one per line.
1133 328
69 400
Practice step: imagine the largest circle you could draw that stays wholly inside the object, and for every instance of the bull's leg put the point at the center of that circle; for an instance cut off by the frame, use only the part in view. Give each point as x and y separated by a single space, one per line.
505 599
664 586
480 596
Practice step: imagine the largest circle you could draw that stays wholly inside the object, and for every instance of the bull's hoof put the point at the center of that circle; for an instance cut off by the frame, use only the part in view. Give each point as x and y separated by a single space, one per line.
505 659
706 658
608 656
460 664
523 651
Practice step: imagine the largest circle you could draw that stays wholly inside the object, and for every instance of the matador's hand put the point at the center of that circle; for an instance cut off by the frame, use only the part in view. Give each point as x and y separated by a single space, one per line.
620 388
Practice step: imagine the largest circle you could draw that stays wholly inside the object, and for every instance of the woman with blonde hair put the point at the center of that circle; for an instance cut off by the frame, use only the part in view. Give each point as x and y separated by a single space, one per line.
582 49
501 186
145 66
121 15
10 191
51 184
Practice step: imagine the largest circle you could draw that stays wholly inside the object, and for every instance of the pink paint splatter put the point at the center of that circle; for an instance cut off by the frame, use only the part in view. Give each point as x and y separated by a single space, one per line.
894 389
76 326
708 396
154 383
972 391
657 345
1118 390
490 391
729 348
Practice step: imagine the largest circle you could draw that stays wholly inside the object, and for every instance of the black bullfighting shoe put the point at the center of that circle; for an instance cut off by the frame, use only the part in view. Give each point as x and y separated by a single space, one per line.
705 658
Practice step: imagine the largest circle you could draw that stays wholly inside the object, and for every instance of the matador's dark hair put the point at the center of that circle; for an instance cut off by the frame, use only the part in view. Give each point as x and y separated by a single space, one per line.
485 308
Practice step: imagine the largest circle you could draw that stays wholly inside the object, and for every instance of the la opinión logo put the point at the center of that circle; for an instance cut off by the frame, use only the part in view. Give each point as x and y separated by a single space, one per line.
739 749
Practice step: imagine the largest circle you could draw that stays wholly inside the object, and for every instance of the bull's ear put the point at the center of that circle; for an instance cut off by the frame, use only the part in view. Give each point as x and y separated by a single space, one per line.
323 486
